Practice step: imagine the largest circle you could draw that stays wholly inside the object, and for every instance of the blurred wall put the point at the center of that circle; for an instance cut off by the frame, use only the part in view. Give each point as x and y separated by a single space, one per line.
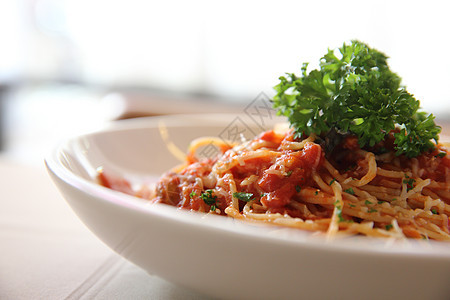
234 49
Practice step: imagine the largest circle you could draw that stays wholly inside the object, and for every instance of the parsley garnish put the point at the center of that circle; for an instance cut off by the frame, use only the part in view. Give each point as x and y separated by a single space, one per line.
350 191
434 211
209 199
367 202
289 173
389 226
351 205
331 182
372 210
355 92
192 194
243 196
298 188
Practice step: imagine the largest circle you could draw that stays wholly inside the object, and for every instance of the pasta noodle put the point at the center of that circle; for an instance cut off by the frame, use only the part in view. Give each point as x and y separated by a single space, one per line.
292 182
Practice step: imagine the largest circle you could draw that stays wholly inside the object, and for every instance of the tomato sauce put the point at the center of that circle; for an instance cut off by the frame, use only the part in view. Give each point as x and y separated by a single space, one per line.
298 167
435 166
114 182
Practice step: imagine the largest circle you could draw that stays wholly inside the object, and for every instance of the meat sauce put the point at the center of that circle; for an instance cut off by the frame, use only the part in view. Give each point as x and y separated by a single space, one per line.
298 167
278 179
279 187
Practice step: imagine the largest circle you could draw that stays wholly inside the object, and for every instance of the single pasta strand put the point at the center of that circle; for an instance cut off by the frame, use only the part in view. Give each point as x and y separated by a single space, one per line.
324 186
205 141
332 170
298 145
337 212
390 174
371 173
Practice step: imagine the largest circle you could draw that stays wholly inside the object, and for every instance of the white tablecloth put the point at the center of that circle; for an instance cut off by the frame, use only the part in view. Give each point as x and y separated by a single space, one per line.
47 253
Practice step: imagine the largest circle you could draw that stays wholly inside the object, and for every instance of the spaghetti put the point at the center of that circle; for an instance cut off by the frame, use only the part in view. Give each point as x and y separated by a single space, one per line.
293 182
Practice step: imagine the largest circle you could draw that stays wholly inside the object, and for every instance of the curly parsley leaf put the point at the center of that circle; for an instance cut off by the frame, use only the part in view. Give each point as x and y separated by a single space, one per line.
354 91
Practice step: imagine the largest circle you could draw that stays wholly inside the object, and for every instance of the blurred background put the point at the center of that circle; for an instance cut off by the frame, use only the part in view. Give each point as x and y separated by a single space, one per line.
69 66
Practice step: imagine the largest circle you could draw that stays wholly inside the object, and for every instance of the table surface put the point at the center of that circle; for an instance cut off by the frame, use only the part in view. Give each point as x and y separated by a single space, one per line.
46 252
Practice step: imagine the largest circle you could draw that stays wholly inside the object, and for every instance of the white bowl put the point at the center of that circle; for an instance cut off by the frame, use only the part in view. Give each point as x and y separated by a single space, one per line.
219 256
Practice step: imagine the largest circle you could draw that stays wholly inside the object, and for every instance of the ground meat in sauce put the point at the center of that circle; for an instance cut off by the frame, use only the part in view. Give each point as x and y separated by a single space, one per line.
168 190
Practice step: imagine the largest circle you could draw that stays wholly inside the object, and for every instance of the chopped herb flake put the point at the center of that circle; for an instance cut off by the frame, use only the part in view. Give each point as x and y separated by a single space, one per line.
350 191
244 196
298 188
441 154
339 211
332 181
434 211
372 210
389 226
367 202
208 197
289 173
192 194
409 183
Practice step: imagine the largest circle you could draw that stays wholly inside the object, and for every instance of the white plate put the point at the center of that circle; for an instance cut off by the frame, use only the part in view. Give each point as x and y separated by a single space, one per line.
218 256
